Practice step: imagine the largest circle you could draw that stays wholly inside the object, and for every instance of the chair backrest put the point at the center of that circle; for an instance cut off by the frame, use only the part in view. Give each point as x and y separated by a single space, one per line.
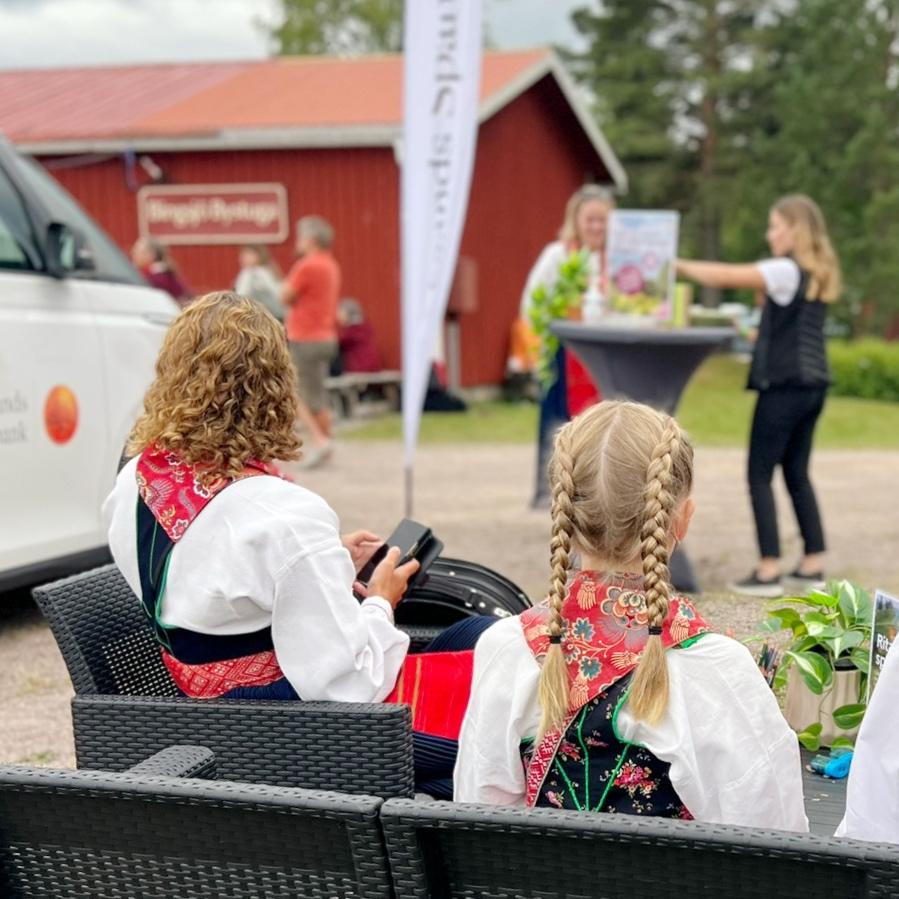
351 747
447 850
78 833
103 635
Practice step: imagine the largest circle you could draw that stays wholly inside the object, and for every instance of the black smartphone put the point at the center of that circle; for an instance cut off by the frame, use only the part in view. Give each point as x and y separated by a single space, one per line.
416 541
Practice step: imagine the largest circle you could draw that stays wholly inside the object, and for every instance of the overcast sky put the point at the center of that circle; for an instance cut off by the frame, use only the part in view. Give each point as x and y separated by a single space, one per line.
43 33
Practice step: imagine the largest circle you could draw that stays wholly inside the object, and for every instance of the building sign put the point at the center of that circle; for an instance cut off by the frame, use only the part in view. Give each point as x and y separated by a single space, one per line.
213 213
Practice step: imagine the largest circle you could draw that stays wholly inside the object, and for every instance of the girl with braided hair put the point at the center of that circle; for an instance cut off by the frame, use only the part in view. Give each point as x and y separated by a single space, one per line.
613 695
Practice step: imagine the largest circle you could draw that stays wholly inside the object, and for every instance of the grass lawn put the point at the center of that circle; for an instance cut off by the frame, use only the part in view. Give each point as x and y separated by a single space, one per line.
715 409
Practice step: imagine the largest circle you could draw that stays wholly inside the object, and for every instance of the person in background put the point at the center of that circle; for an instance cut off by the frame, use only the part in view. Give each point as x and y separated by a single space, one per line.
358 349
872 792
259 278
612 695
790 372
584 228
155 263
310 294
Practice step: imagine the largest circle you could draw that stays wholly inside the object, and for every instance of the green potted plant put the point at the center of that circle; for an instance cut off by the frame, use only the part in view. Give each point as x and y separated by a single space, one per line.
549 304
825 665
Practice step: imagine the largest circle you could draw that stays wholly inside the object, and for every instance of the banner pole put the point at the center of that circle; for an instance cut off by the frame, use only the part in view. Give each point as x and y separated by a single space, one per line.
408 471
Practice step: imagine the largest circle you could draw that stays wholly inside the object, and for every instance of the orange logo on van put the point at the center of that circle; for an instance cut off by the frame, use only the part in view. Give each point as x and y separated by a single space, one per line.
61 414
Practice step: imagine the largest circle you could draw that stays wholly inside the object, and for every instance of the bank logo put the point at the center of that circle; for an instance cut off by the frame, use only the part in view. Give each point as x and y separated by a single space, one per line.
61 414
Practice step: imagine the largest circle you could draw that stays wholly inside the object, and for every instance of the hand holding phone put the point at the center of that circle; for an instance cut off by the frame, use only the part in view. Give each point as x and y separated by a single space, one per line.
390 578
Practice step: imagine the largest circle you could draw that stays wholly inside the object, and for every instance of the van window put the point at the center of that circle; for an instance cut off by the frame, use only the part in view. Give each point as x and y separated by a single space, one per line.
110 263
17 248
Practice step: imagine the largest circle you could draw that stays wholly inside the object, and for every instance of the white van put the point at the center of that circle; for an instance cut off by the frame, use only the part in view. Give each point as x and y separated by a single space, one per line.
79 335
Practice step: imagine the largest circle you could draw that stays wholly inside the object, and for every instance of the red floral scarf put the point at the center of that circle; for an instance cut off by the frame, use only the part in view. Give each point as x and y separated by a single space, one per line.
605 631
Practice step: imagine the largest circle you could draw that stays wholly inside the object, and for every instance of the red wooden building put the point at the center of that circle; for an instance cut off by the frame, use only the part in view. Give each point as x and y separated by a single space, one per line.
328 130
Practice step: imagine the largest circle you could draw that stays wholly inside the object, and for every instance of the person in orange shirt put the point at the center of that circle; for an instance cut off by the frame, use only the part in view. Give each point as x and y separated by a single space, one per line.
310 293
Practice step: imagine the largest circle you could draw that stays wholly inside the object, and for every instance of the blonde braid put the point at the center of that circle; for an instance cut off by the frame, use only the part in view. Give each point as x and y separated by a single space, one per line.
649 688
553 686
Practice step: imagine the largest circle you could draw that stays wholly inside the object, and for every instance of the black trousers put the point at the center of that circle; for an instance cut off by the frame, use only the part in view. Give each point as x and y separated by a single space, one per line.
782 431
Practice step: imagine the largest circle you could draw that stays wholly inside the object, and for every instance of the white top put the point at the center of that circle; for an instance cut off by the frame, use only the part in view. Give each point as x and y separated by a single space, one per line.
268 552
782 277
733 758
259 283
546 270
872 794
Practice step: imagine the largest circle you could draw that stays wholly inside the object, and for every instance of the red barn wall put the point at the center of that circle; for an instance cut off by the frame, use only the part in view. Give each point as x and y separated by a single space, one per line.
531 156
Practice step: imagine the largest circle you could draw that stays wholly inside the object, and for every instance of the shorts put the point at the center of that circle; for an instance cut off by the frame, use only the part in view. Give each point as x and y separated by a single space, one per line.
313 360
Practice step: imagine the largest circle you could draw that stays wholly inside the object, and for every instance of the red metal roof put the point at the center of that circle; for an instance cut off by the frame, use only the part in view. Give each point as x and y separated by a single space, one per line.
47 105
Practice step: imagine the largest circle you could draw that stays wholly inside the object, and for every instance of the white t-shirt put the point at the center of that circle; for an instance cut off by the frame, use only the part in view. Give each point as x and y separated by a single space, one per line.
266 552
782 277
872 793
733 758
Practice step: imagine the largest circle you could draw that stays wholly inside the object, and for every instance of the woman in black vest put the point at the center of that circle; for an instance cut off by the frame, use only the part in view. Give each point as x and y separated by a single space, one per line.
789 371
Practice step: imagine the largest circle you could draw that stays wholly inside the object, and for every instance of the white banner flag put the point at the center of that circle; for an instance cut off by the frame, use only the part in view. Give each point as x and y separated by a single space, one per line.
442 70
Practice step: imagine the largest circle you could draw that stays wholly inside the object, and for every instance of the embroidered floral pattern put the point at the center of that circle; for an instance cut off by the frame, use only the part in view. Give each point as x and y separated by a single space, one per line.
594 771
605 630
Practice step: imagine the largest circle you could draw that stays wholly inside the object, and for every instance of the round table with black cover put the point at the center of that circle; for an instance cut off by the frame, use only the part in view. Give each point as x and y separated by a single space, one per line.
647 365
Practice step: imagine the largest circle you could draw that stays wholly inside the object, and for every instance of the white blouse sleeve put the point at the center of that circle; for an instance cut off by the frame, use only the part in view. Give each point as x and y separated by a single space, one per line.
502 710
734 759
782 278
545 271
872 797
328 645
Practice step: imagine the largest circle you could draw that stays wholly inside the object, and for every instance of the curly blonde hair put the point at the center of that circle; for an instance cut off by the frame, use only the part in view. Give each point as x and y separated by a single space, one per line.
618 473
225 389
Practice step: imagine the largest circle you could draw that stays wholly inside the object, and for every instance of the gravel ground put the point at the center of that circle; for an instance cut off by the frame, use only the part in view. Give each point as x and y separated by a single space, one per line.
476 499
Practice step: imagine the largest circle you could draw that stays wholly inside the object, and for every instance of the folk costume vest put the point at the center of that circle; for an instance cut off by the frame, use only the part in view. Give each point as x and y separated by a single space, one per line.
204 666
170 497
584 764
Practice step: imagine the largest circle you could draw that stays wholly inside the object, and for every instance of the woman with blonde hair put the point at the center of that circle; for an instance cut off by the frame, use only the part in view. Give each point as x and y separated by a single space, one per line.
790 372
612 695
583 228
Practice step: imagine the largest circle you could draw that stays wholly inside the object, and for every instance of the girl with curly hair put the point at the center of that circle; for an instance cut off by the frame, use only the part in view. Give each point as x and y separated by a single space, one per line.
613 695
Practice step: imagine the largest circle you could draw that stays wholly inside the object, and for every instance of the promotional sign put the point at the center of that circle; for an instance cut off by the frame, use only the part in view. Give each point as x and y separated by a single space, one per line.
883 633
213 213
640 251
441 78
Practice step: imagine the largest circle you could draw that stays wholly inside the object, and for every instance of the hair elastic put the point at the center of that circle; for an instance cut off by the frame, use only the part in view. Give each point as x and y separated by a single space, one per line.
555 640
655 630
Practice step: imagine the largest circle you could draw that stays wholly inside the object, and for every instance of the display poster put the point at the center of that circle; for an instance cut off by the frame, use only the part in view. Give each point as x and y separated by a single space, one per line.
641 251
883 632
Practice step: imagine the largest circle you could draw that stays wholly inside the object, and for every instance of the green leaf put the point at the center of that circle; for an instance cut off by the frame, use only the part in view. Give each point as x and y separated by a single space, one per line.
861 658
845 641
783 618
814 600
814 669
811 736
849 602
842 743
849 716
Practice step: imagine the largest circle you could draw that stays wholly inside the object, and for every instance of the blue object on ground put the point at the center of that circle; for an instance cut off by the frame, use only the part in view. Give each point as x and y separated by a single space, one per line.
838 768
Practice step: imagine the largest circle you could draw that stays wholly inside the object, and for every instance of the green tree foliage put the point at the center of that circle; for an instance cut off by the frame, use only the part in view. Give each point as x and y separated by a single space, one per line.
671 86
834 135
718 107
337 27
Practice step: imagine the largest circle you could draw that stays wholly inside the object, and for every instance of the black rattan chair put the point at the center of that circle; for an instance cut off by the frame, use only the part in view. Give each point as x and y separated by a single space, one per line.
127 706
446 850
68 834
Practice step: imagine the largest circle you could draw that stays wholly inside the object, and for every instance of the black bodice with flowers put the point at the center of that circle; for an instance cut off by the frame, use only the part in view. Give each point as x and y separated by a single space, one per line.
595 770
